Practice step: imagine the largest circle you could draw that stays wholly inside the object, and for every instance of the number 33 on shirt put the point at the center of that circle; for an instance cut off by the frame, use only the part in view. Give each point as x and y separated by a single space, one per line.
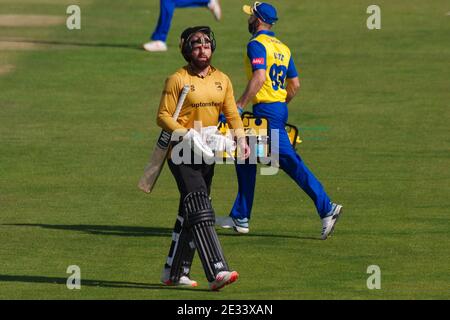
264 51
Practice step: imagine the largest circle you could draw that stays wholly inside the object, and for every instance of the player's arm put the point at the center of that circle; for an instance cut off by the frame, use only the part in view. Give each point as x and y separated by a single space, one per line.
168 104
293 82
256 53
230 112
293 85
254 85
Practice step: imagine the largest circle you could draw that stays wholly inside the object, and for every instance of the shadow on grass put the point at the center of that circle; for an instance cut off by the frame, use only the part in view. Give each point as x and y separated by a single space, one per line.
266 235
93 283
77 44
132 231
122 231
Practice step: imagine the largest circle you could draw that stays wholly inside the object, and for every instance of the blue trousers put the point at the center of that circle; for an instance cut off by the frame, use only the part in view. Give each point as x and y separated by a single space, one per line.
166 9
290 162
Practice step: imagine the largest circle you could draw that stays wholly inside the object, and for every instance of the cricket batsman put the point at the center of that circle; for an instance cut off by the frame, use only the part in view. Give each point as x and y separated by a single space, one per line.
273 83
211 93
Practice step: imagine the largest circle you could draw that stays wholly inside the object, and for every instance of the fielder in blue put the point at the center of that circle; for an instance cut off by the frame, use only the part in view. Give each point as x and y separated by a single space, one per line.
166 10
273 82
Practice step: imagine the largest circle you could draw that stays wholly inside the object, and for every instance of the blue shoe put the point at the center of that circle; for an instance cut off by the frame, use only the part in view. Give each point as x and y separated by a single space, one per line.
239 225
329 222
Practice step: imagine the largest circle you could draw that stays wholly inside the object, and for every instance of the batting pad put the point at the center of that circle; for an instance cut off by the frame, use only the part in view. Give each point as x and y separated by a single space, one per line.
181 252
199 217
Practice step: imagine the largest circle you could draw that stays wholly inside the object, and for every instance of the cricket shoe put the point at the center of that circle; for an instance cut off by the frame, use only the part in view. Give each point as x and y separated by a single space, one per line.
214 7
239 225
184 280
329 222
155 46
223 278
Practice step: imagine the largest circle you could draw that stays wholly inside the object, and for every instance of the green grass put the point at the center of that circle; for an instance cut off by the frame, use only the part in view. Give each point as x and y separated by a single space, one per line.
77 123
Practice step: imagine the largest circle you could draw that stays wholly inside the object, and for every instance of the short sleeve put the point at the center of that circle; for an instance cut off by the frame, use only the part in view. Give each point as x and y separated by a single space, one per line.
256 53
292 71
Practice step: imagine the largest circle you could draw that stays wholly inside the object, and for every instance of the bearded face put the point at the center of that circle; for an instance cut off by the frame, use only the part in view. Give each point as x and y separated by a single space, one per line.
252 24
201 50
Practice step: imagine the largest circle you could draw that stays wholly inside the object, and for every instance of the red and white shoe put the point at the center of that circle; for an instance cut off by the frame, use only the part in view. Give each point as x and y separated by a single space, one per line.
184 280
223 278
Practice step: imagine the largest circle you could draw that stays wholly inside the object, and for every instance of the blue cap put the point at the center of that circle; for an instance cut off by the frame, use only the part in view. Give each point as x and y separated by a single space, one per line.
266 12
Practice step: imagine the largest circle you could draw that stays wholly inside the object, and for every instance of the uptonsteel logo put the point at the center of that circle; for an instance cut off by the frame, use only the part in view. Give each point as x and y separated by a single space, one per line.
207 104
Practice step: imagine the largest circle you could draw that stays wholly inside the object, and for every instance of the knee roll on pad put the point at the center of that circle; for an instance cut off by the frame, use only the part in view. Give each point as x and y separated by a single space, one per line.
197 208
199 217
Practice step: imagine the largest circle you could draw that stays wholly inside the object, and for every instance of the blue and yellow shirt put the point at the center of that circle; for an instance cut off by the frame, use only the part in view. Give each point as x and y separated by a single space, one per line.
264 51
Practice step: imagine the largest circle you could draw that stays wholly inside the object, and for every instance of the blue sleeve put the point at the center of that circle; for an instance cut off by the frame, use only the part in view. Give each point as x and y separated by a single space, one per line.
256 53
292 71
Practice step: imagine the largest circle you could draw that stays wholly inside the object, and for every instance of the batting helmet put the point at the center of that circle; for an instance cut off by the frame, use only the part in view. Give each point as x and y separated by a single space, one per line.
186 44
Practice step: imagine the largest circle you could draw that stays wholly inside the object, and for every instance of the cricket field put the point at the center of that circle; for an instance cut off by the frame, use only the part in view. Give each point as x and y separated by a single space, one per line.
77 125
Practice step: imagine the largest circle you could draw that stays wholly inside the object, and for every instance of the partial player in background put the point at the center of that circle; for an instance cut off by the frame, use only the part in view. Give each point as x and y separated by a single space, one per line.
166 10
211 93
273 82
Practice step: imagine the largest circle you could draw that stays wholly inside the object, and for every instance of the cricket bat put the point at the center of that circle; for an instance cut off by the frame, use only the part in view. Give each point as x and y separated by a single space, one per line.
158 157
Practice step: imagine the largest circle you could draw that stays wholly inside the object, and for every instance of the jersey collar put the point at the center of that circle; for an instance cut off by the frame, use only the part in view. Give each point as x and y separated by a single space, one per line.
211 71
266 32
